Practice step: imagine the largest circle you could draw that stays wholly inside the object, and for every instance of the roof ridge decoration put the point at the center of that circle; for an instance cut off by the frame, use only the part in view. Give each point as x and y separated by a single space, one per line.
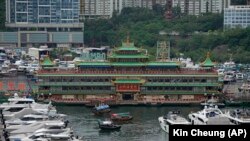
208 62
47 61
128 42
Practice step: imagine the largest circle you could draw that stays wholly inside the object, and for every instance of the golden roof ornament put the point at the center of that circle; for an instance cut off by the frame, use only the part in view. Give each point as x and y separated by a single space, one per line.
127 40
208 54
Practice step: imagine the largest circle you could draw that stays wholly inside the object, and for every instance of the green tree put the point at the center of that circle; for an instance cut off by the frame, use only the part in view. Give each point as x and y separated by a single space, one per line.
177 11
238 2
2 15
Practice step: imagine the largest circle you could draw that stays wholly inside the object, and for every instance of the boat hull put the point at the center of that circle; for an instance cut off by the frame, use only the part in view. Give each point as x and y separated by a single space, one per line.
122 118
100 112
109 128
163 125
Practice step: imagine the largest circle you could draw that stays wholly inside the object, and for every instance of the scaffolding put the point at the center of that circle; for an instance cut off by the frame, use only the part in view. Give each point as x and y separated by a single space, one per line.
163 51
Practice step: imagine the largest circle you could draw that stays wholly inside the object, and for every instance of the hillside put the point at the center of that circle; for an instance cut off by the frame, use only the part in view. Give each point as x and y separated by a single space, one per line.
143 26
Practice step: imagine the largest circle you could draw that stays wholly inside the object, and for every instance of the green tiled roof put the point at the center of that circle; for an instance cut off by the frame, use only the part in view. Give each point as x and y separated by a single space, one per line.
93 64
134 75
128 64
127 46
128 56
208 62
129 81
163 64
47 62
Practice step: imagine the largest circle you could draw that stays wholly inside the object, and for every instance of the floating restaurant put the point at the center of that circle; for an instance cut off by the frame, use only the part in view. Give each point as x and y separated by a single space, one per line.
127 76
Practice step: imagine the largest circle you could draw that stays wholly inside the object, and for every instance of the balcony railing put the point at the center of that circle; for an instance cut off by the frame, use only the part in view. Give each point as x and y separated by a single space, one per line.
76 91
74 83
177 92
181 84
139 72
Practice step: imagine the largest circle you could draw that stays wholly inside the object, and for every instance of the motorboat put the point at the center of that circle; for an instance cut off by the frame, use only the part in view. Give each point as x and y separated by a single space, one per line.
239 116
212 101
64 136
108 125
239 76
210 115
23 102
229 76
30 128
18 112
103 108
121 116
172 118
245 87
27 119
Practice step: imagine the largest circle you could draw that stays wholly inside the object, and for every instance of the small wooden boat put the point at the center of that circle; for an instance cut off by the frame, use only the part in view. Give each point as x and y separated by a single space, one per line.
121 116
108 125
103 108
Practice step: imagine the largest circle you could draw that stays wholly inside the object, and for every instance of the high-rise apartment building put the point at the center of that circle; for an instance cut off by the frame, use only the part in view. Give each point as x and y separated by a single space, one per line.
101 8
237 16
106 8
51 22
42 12
197 7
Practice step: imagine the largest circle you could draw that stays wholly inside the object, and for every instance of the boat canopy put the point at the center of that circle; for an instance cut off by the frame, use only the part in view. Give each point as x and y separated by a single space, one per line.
101 107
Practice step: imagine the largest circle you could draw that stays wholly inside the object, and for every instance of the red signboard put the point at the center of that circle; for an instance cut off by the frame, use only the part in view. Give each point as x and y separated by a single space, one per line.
11 85
1 85
128 88
21 86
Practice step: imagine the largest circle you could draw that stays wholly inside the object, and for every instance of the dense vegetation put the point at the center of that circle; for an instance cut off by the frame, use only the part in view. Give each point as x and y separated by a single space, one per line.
2 15
238 2
197 35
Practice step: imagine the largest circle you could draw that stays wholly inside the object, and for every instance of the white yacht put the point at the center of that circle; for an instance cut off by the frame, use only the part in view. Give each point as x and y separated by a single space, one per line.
18 112
239 116
45 137
245 88
35 126
239 76
210 115
212 101
27 119
172 118
54 127
23 102
229 76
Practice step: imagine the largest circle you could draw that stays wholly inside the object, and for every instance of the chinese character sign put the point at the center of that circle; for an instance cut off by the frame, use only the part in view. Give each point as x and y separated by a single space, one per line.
128 87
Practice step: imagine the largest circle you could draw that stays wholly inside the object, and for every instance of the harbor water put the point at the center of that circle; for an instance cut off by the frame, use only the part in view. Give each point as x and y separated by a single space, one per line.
143 127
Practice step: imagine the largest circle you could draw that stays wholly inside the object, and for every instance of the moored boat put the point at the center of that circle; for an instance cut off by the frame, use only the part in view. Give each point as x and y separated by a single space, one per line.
239 116
210 115
108 125
213 101
172 118
103 108
121 116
